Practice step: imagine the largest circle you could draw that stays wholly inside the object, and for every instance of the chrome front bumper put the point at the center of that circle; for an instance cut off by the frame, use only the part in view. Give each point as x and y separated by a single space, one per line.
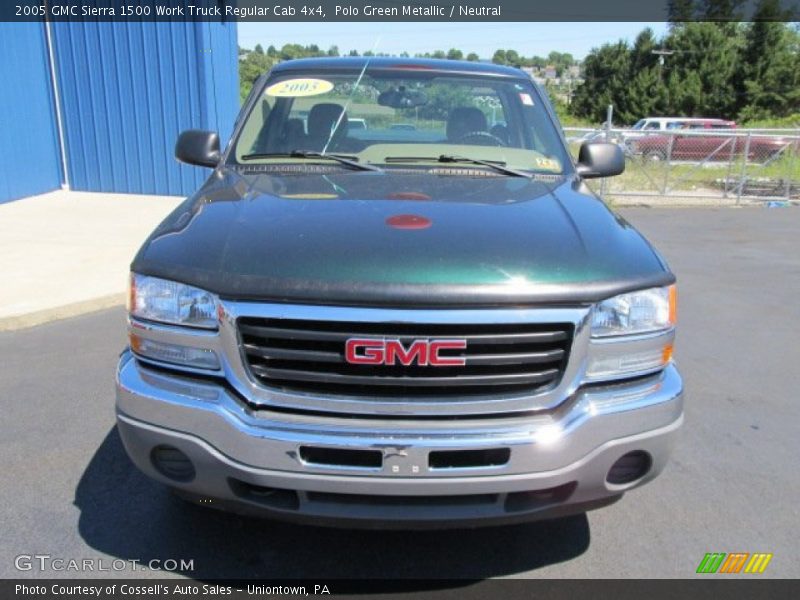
244 457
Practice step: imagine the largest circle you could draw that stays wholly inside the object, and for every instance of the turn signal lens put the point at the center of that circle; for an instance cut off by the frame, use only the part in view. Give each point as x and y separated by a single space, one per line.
628 363
673 304
199 358
666 355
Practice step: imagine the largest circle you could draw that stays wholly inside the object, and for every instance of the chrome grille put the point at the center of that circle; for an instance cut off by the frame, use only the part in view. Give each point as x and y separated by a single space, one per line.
309 355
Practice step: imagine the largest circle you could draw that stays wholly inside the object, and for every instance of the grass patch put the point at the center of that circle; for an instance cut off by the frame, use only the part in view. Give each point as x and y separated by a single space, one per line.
651 177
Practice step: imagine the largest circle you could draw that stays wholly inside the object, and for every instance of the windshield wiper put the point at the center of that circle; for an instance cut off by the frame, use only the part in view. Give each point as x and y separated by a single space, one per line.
497 165
349 161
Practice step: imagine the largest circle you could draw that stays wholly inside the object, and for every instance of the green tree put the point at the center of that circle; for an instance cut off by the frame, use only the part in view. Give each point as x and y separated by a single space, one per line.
442 99
605 73
768 80
647 96
646 93
455 54
706 58
712 69
560 60
291 51
251 66
537 61
642 56
685 93
472 57
499 57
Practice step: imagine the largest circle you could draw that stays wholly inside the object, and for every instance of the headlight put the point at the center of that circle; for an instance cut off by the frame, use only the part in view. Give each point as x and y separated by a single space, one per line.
645 311
170 302
618 349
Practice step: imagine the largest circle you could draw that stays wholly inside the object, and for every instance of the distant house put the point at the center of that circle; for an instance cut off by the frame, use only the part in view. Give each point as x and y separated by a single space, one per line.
550 72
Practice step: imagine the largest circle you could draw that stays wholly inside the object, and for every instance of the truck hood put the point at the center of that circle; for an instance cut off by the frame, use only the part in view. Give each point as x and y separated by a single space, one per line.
410 237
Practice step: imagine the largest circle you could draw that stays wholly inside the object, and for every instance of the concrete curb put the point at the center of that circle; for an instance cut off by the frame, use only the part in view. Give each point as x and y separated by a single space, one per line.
40 317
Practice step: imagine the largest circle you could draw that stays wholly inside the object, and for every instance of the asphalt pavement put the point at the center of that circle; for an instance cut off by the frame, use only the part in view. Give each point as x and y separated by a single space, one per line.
68 490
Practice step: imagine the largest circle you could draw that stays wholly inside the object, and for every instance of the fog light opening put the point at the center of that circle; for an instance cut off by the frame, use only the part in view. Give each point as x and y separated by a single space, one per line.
172 463
630 467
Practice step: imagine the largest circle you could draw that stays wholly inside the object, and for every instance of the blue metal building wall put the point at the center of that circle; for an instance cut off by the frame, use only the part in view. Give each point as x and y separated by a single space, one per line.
31 162
127 90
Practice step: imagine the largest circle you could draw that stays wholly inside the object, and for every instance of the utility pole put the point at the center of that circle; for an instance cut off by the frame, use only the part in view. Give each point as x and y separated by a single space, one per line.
661 54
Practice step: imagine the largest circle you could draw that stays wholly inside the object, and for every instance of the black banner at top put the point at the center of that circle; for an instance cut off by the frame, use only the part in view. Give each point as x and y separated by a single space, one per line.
396 10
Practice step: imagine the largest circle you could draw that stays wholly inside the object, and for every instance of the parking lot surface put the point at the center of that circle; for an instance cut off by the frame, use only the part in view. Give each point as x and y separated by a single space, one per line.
68 490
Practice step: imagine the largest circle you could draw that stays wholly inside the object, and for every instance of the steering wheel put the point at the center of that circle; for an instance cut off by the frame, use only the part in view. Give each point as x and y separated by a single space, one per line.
481 138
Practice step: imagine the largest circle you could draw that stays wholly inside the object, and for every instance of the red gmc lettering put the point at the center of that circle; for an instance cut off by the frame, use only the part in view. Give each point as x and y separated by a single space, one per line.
447 361
366 351
372 354
396 352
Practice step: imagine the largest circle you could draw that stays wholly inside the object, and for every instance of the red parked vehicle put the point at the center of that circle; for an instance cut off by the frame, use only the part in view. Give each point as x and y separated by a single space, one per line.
711 139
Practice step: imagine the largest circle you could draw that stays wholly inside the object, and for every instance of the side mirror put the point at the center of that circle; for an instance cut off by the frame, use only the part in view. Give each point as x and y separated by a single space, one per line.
198 147
600 159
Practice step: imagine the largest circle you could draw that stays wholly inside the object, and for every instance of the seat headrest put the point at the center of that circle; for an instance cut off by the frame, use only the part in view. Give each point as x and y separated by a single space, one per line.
322 118
463 120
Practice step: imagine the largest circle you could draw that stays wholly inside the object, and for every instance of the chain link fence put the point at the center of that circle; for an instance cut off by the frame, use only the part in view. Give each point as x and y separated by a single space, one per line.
736 165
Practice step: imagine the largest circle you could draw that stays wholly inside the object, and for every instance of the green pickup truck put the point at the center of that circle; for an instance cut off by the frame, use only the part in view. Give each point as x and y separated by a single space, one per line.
419 326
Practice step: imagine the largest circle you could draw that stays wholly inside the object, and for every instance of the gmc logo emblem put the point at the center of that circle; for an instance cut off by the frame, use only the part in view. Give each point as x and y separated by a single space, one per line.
425 353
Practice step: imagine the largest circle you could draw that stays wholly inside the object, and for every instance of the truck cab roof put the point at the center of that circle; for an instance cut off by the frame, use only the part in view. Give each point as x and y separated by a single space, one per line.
357 63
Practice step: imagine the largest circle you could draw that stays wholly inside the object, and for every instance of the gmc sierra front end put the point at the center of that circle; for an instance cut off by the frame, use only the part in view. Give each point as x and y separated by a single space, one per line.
426 321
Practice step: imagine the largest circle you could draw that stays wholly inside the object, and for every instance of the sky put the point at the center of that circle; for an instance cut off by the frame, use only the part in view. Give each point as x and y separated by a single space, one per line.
483 38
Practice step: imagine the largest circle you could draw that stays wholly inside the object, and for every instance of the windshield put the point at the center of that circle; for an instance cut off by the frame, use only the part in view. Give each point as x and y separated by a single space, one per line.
394 117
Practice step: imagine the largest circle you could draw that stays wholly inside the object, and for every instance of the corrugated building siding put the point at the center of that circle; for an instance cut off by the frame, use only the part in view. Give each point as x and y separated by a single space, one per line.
127 90
30 162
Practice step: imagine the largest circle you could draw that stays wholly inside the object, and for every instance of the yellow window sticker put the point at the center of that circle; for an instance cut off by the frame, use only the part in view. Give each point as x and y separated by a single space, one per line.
548 163
295 88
